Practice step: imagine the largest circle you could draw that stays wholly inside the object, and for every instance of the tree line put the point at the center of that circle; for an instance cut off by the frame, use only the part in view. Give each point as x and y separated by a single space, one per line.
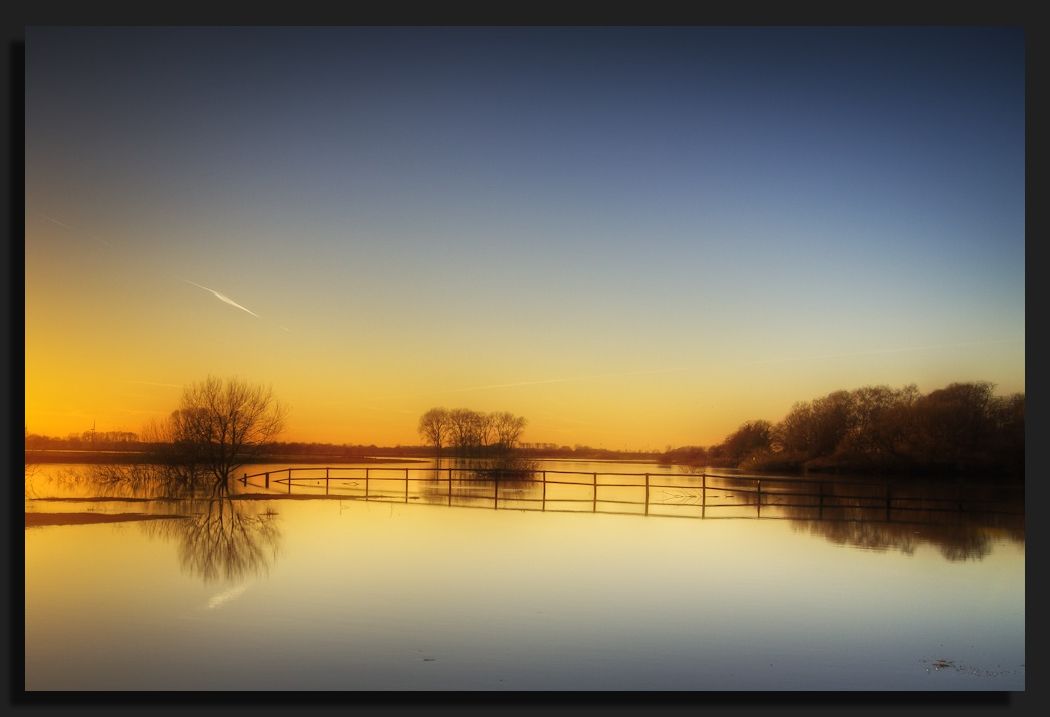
961 427
86 441
220 426
470 432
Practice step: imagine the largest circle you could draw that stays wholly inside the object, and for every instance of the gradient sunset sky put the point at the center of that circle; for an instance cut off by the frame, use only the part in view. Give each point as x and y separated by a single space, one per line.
634 237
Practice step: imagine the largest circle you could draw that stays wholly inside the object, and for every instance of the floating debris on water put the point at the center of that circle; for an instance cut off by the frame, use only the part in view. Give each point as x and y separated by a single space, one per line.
942 664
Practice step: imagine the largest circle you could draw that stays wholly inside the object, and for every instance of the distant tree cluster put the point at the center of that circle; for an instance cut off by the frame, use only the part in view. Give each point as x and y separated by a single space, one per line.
693 455
470 432
86 441
963 426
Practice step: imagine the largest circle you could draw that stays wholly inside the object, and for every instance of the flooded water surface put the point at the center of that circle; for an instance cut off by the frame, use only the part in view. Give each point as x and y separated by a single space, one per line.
476 581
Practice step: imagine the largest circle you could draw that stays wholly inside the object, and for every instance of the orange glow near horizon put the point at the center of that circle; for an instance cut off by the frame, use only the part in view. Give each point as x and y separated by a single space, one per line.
118 369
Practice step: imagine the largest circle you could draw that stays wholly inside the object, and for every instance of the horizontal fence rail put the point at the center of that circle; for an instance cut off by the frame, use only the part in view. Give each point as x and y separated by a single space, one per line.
525 489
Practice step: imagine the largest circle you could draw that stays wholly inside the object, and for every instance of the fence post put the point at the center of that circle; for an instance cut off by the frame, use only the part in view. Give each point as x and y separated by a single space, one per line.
495 490
594 498
450 486
406 485
267 479
759 495
647 494
366 484
543 501
703 494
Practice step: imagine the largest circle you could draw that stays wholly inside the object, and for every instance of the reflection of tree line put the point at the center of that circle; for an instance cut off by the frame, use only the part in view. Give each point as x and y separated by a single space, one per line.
967 541
221 539
961 519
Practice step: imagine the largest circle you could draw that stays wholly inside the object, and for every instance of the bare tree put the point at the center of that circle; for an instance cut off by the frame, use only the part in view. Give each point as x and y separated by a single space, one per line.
223 425
472 432
508 428
481 429
461 428
434 426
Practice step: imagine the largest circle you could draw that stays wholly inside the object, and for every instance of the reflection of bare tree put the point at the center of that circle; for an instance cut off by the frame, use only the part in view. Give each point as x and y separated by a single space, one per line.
164 478
52 480
136 480
222 539
517 476
30 470
508 467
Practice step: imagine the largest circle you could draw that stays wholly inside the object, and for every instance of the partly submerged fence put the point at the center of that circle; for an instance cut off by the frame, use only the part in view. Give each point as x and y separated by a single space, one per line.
680 495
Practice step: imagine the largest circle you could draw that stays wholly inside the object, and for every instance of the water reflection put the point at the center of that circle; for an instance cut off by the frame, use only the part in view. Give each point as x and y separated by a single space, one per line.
222 539
167 479
478 480
954 542
963 520
359 596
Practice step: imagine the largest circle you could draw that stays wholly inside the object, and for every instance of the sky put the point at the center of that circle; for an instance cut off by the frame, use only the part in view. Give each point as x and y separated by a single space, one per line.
634 237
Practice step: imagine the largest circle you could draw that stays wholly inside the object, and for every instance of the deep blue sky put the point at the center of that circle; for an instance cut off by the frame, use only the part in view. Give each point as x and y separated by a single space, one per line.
689 200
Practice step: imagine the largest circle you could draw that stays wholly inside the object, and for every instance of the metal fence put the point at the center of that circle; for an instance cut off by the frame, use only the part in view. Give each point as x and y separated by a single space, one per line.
700 495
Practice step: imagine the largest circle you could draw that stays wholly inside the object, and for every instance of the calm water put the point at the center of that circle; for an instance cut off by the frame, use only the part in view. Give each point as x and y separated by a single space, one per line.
410 593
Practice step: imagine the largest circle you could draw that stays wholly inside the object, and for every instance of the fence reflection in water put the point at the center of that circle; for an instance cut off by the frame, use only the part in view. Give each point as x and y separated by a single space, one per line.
700 495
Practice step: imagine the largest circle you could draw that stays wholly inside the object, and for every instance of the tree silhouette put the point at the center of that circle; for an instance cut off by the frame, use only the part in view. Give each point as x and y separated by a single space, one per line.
434 426
471 432
221 426
508 428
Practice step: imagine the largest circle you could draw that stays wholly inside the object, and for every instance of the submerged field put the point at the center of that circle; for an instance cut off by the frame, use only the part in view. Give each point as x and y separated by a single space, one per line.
340 593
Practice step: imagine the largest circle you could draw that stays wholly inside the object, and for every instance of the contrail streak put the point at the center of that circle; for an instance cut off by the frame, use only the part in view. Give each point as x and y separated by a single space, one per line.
223 297
69 228
217 294
55 221
879 352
